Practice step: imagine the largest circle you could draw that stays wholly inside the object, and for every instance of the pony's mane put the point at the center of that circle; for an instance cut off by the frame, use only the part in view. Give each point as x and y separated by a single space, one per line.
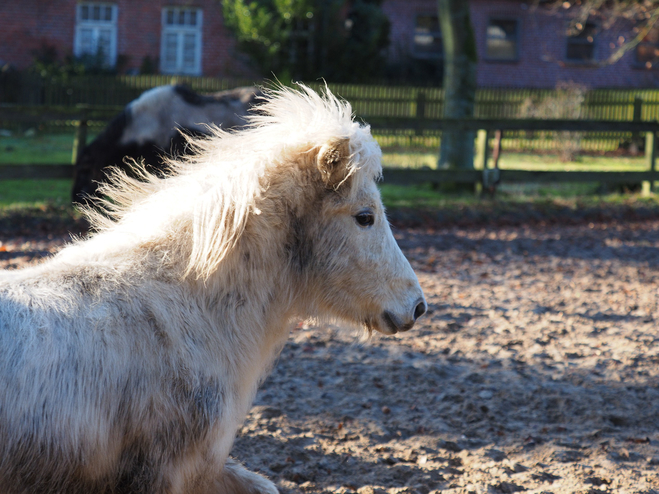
214 190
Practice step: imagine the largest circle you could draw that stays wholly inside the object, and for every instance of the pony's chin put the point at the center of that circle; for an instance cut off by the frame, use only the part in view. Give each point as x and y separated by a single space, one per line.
375 324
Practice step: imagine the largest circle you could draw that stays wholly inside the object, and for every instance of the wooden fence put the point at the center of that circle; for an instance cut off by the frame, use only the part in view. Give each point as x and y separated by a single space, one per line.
368 101
488 177
30 92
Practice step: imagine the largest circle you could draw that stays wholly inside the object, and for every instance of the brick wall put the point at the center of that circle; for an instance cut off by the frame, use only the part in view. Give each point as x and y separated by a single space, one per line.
27 24
542 47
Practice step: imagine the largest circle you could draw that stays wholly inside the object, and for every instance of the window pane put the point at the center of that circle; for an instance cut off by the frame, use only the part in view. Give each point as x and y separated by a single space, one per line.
171 51
501 40
646 52
427 37
86 40
580 51
104 42
427 44
84 12
189 51
499 49
504 29
588 31
170 17
581 46
108 14
652 36
181 17
192 17
427 24
96 12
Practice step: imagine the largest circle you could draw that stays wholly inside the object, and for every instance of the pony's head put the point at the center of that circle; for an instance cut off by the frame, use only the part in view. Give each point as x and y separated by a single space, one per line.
336 235
345 247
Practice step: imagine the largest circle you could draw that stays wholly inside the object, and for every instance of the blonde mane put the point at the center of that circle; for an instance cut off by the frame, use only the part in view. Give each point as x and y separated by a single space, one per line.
212 193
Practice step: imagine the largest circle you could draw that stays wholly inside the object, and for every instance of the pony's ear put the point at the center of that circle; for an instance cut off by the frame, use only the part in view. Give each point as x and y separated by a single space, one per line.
332 161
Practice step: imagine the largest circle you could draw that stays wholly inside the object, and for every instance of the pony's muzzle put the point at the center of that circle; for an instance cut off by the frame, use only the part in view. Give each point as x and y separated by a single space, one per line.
396 323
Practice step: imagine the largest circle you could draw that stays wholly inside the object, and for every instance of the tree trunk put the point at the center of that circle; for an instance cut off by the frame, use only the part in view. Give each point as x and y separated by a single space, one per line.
457 148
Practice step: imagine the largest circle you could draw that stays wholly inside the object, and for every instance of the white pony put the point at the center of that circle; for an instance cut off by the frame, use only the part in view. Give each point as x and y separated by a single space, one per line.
129 360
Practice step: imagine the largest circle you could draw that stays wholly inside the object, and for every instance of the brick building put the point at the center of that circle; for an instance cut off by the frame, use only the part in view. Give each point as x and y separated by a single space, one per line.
518 45
522 46
174 36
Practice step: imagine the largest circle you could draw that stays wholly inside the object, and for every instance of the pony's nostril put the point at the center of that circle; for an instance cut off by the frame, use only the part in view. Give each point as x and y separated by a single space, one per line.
419 310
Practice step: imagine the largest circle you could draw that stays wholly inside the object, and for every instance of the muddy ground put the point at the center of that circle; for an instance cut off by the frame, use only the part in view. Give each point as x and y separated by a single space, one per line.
535 370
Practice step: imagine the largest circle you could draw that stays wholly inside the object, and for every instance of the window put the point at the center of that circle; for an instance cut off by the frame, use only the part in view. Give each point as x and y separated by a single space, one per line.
427 37
96 31
501 40
647 51
581 44
181 41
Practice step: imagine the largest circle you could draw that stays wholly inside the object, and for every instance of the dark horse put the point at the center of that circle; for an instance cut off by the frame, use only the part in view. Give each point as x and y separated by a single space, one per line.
152 127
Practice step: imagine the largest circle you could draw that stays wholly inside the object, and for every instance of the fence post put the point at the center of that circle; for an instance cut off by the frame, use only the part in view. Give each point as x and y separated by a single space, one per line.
482 157
650 156
637 139
80 139
420 110
653 164
496 152
482 148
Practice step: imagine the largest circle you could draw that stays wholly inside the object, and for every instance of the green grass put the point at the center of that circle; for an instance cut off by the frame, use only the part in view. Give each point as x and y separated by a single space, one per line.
40 148
524 161
34 193
426 197
550 162
421 196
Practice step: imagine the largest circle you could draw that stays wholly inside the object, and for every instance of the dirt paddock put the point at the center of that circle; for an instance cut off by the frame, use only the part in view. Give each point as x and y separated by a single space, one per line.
535 370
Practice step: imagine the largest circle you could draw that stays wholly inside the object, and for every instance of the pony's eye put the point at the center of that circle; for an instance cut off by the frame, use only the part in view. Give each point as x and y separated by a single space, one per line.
365 218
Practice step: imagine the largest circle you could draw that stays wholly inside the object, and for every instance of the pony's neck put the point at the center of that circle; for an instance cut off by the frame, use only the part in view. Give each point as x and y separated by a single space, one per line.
253 309
254 294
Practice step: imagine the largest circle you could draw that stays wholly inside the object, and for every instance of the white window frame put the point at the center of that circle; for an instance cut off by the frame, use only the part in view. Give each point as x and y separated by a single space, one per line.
180 31
96 26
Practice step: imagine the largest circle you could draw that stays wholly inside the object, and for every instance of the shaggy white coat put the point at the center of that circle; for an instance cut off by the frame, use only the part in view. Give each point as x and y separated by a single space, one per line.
129 360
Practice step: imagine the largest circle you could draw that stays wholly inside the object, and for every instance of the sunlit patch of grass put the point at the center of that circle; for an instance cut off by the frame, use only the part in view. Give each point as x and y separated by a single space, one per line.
522 161
409 160
38 147
551 162
34 193
572 196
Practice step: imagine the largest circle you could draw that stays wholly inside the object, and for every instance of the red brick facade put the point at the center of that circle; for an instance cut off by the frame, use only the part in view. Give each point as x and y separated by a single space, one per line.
26 25
542 45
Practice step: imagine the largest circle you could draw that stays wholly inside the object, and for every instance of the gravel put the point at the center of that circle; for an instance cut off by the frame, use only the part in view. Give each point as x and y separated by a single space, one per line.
535 370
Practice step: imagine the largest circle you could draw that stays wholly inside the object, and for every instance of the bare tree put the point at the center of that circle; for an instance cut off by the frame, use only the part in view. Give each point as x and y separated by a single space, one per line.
639 16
